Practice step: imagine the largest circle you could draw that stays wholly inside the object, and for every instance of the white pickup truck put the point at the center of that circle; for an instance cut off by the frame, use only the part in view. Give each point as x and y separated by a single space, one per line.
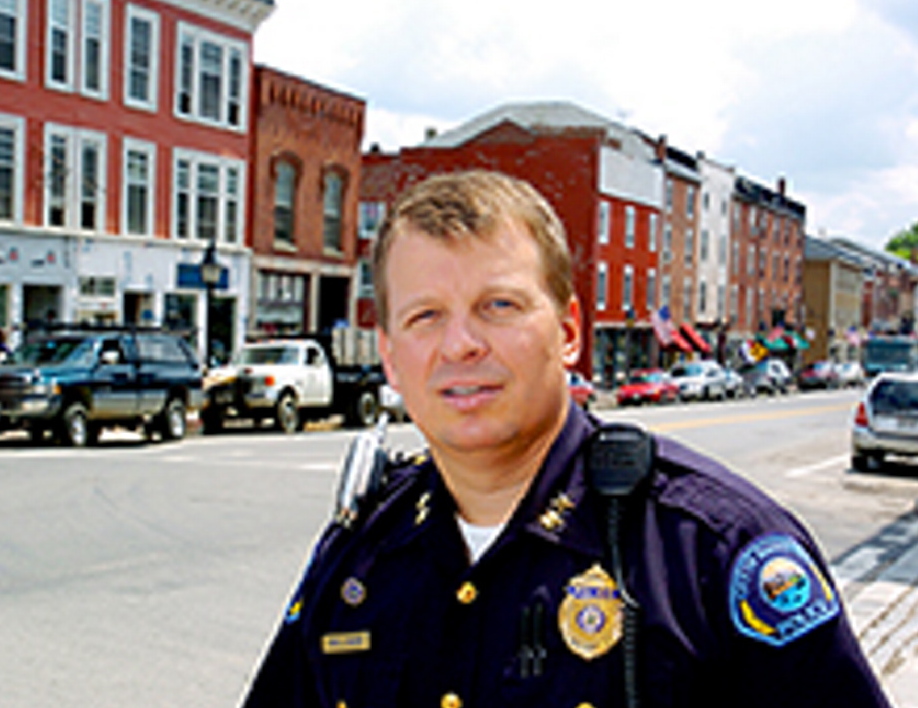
291 381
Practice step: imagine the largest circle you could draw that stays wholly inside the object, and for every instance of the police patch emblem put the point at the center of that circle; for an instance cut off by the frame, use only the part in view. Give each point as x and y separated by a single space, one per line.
590 615
777 592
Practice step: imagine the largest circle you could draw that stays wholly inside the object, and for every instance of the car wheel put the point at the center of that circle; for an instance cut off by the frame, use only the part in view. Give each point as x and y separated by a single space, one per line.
173 421
286 415
364 410
211 421
74 428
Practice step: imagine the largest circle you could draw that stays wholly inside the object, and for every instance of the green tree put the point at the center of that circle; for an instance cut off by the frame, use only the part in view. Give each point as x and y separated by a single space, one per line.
904 243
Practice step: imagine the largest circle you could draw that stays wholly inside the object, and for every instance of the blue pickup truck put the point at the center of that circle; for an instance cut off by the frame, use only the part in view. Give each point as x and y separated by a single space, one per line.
72 382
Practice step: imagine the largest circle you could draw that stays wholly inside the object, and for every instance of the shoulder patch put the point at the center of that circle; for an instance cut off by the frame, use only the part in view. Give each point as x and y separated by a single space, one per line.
777 593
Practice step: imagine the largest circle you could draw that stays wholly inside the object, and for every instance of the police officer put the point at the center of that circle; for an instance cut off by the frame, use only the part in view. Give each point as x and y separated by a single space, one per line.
489 573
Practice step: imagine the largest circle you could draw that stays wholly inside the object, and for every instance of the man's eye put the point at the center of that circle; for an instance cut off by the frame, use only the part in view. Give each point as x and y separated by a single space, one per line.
501 305
420 317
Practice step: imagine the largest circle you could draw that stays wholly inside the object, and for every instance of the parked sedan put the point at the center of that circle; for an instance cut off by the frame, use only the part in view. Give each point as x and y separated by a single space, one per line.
769 376
850 373
885 421
647 386
700 380
819 374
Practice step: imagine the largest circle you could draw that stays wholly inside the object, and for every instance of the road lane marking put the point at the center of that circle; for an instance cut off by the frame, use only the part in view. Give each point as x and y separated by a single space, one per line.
747 417
816 466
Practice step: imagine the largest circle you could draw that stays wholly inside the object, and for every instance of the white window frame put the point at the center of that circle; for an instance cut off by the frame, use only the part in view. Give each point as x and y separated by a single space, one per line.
630 221
689 247
666 291
651 289
77 35
21 14
628 288
667 242
101 92
17 125
605 222
198 37
75 139
148 149
151 102
653 227
602 285
225 165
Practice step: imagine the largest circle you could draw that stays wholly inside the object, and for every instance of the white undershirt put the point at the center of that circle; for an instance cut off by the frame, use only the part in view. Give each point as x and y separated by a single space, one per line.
478 538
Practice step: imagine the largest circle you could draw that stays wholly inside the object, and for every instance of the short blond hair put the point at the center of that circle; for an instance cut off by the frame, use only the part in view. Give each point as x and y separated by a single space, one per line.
474 203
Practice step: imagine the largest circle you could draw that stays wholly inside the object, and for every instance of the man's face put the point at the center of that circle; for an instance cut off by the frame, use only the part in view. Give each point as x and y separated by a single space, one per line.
475 343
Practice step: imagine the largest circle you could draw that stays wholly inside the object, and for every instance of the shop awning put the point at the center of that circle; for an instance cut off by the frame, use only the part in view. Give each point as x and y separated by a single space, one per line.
777 345
678 342
692 337
797 340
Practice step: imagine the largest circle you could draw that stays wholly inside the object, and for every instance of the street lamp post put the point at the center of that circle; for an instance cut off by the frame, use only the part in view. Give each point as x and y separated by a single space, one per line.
211 271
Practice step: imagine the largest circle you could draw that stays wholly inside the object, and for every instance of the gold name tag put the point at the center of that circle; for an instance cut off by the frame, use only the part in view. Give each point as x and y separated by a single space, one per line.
345 642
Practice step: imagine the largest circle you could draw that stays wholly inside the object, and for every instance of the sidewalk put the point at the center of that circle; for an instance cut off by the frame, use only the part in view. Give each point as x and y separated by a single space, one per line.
879 581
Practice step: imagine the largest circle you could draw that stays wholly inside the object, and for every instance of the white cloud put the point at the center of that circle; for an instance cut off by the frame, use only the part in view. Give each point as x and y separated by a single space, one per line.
821 91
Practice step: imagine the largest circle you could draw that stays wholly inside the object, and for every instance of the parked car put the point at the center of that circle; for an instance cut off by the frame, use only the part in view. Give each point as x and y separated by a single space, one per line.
735 385
700 380
885 421
850 373
582 390
819 374
75 380
769 376
647 386
293 380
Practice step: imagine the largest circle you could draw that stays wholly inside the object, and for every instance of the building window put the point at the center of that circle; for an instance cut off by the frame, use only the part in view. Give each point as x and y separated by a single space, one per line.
629 227
82 24
12 38
602 284
365 278
651 289
332 210
669 195
689 247
703 246
666 291
139 171
702 297
284 191
687 301
605 222
652 228
750 260
12 159
628 288
370 219
690 202
721 297
211 78
74 178
667 243
208 197
141 58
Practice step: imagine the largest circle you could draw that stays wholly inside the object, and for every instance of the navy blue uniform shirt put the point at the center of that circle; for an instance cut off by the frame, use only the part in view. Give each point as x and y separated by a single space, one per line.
736 605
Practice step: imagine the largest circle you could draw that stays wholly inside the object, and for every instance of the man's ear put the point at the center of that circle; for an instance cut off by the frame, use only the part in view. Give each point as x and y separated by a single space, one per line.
571 328
384 347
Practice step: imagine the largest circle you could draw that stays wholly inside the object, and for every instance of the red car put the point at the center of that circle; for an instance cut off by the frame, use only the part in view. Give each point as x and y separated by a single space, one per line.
647 386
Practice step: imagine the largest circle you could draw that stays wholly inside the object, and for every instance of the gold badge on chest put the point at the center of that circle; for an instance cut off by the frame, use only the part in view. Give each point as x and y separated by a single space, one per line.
590 615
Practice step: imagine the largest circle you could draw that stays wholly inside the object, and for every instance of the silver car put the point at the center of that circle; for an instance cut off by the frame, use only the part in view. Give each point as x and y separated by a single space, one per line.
700 380
885 421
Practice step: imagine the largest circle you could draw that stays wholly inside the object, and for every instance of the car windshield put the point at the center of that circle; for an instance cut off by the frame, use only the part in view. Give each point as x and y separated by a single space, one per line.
895 397
71 350
687 370
268 355
646 377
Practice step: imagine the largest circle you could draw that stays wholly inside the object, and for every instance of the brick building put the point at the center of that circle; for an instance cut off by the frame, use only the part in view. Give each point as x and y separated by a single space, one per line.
305 184
601 179
124 140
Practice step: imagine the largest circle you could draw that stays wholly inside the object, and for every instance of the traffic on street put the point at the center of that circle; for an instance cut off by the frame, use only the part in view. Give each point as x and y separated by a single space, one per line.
152 574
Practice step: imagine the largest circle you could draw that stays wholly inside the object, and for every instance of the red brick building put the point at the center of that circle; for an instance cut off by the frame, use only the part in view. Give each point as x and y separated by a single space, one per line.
124 141
601 180
305 188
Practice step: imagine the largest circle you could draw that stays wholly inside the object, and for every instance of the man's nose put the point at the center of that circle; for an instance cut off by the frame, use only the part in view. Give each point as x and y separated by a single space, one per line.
462 339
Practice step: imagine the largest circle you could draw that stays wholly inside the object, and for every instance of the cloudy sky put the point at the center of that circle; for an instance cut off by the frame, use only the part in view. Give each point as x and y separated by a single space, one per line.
824 92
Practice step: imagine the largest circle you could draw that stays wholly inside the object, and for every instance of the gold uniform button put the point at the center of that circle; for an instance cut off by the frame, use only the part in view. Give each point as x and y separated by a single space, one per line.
340 704
450 700
585 705
466 594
